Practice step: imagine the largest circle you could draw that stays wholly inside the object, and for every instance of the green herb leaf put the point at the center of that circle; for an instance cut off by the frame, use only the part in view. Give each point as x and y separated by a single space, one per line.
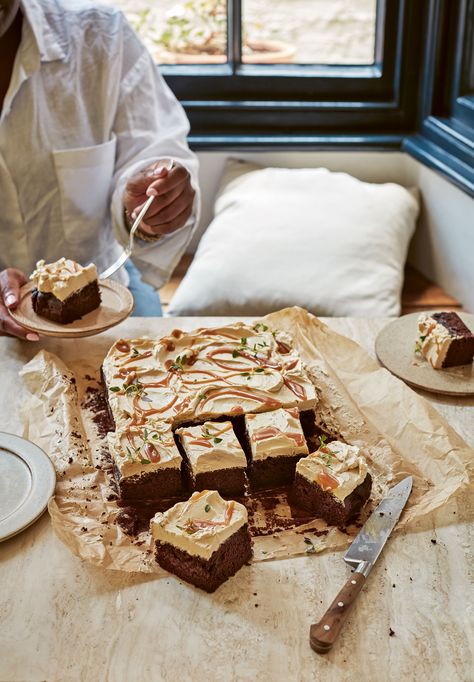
207 508
115 389
217 440
322 440
258 370
235 353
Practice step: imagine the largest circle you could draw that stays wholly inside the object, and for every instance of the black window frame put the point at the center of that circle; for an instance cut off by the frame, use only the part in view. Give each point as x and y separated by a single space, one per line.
417 96
305 103
444 139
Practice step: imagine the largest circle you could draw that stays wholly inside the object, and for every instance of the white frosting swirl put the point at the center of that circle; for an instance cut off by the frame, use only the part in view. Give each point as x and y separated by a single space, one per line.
275 434
142 449
206 374
62 278
336 467
200 525
212 446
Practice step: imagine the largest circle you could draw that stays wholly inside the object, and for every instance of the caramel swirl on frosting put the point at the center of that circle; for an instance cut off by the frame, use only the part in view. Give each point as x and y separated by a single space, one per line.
206 374
337 467
200 525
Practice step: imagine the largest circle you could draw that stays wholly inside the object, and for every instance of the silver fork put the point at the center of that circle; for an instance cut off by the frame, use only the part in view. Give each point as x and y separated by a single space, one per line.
123 258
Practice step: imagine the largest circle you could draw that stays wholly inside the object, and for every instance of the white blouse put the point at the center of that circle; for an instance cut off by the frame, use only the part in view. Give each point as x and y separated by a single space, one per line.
85 109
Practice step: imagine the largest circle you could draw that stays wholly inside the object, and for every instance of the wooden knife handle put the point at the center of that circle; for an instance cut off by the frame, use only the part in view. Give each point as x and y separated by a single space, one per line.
322 635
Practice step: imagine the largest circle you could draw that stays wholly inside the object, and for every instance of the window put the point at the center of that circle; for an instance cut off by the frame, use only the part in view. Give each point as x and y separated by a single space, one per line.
445 140
385 74
367 95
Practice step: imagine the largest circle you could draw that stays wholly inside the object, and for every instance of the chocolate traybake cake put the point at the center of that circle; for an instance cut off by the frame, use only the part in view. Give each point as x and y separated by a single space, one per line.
214 457
147 463
333 483
64 291
444 340
276 442
203 541
209 375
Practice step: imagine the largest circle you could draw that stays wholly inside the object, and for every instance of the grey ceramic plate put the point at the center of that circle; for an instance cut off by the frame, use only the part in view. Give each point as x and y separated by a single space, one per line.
27 481
395 348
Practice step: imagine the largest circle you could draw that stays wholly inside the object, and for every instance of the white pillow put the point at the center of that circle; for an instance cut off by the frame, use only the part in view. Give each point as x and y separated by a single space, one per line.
309 237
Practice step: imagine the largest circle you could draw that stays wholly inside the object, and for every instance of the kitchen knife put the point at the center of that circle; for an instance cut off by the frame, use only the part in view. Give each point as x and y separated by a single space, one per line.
361 555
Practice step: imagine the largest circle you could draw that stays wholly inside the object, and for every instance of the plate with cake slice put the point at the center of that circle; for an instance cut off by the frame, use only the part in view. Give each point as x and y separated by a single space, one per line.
65 299
431 350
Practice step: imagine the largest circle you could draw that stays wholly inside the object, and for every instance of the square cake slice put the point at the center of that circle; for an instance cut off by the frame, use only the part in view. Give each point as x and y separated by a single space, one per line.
203 541
444 340
333 483
214 456
64 291
147 464
276 442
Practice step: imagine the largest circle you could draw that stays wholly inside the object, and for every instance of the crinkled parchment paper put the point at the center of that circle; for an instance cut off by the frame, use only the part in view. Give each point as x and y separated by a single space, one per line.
360 401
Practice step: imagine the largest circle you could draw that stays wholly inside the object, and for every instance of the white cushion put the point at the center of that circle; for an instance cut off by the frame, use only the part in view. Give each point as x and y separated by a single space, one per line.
309 237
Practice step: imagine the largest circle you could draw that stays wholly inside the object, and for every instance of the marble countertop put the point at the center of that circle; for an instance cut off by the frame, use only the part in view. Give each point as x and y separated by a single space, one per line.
62 620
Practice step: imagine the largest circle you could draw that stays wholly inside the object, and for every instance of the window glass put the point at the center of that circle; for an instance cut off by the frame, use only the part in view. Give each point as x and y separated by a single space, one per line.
179 31
309 31
273 31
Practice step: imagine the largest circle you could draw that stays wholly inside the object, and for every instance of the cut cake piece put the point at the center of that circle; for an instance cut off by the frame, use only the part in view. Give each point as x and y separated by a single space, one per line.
276 442
147 464
203 541
333 483
64 291
215 458
444 340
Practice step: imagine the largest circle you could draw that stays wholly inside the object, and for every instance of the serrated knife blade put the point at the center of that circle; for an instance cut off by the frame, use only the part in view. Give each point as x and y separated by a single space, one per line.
361 555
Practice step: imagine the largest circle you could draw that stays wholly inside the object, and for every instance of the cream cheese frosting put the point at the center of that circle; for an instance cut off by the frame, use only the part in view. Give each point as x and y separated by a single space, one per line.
205 374
63 277
212 446
336 467
141 449
276 433
433 340
200 525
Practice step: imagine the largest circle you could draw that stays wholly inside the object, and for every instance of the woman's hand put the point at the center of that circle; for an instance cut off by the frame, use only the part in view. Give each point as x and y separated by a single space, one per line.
174 198
11 280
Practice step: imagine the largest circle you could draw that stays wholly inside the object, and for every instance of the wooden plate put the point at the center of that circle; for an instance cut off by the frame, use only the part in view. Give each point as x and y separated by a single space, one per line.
27 481
117 304
395 348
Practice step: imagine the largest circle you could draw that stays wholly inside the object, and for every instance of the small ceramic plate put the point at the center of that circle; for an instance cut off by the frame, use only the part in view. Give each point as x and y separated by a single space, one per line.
27 481
395 348
117 304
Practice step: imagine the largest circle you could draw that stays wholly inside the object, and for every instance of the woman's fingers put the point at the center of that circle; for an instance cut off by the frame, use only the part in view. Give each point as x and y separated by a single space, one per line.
11 280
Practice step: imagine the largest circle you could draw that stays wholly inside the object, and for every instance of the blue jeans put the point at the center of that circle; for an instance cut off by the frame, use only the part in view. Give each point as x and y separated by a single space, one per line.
147 299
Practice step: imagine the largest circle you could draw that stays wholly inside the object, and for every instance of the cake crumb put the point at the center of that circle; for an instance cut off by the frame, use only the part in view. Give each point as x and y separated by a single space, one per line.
433 542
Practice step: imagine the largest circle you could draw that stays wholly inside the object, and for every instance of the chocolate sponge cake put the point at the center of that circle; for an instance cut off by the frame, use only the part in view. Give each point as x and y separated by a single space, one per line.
214 457
276 442
444 340
64 291
203 541
146 461
333 483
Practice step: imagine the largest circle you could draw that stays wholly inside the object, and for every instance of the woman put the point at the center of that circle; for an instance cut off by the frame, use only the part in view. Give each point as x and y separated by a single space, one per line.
85 121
